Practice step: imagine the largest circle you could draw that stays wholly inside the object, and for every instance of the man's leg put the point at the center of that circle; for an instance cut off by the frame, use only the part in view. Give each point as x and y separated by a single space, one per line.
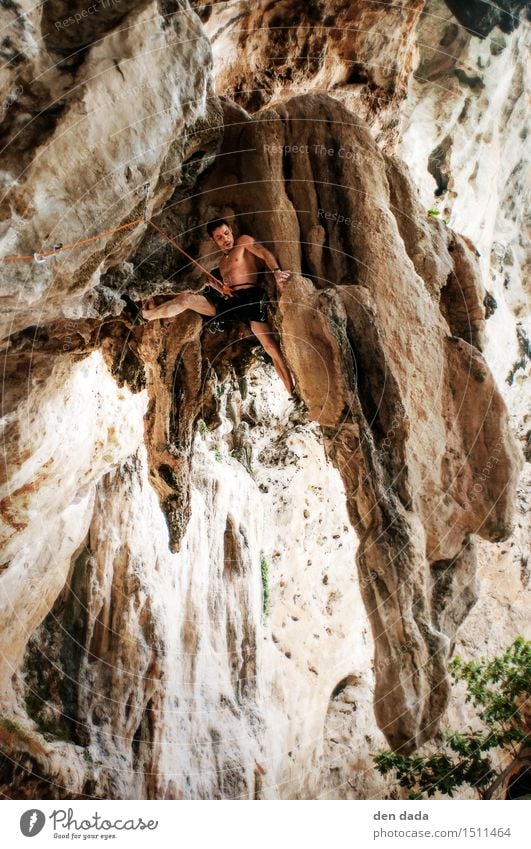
266 336
186 301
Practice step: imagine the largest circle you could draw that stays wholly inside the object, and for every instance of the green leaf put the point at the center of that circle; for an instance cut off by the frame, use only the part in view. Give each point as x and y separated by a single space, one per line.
497 688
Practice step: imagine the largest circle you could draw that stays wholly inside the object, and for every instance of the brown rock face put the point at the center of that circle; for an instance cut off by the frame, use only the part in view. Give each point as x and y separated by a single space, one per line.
357 51
381 324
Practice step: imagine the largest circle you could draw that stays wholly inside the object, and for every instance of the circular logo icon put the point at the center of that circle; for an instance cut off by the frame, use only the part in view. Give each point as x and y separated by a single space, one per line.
32 822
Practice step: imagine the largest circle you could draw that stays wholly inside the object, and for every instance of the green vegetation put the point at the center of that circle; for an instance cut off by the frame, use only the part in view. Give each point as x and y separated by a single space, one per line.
217 453
433 213
202 426
498 689
87 757
266 595
11 726
47 726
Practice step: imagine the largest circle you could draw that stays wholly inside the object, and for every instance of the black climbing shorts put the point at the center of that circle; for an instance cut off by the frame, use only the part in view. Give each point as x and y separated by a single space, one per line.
246 304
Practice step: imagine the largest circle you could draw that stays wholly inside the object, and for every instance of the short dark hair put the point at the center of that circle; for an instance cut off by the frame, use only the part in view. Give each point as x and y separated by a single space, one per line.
215 223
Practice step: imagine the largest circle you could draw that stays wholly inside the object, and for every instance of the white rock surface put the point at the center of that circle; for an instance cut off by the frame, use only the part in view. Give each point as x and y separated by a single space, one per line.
481 118
247 694
71 429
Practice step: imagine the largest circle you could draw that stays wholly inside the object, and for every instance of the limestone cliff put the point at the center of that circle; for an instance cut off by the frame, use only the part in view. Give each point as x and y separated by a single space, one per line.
186 559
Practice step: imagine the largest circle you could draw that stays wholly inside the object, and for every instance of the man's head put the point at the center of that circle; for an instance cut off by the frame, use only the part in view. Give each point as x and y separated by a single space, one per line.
221 233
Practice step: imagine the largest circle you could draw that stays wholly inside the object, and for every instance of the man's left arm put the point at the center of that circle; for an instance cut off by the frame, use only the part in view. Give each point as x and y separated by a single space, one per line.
260 251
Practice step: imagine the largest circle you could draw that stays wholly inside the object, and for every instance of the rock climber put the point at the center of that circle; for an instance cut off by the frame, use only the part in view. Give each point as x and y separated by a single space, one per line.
238 298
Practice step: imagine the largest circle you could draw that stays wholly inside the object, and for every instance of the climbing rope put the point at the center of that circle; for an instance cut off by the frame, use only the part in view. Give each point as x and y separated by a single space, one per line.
226 289
41 257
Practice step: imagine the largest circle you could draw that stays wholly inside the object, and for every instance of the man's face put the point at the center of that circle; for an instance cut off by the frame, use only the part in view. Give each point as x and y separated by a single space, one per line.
223 237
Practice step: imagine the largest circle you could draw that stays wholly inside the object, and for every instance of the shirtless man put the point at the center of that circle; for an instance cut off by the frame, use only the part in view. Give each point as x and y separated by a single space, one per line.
238 297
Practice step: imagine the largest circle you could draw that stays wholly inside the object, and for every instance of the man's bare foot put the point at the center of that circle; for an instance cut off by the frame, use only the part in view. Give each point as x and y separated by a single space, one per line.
148 308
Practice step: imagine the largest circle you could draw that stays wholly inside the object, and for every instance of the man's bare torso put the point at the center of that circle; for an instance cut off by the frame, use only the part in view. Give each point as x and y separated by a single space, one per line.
240 268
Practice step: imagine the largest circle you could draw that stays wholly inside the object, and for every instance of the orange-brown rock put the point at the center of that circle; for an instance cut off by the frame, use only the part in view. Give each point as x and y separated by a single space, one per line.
377 323
357 52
